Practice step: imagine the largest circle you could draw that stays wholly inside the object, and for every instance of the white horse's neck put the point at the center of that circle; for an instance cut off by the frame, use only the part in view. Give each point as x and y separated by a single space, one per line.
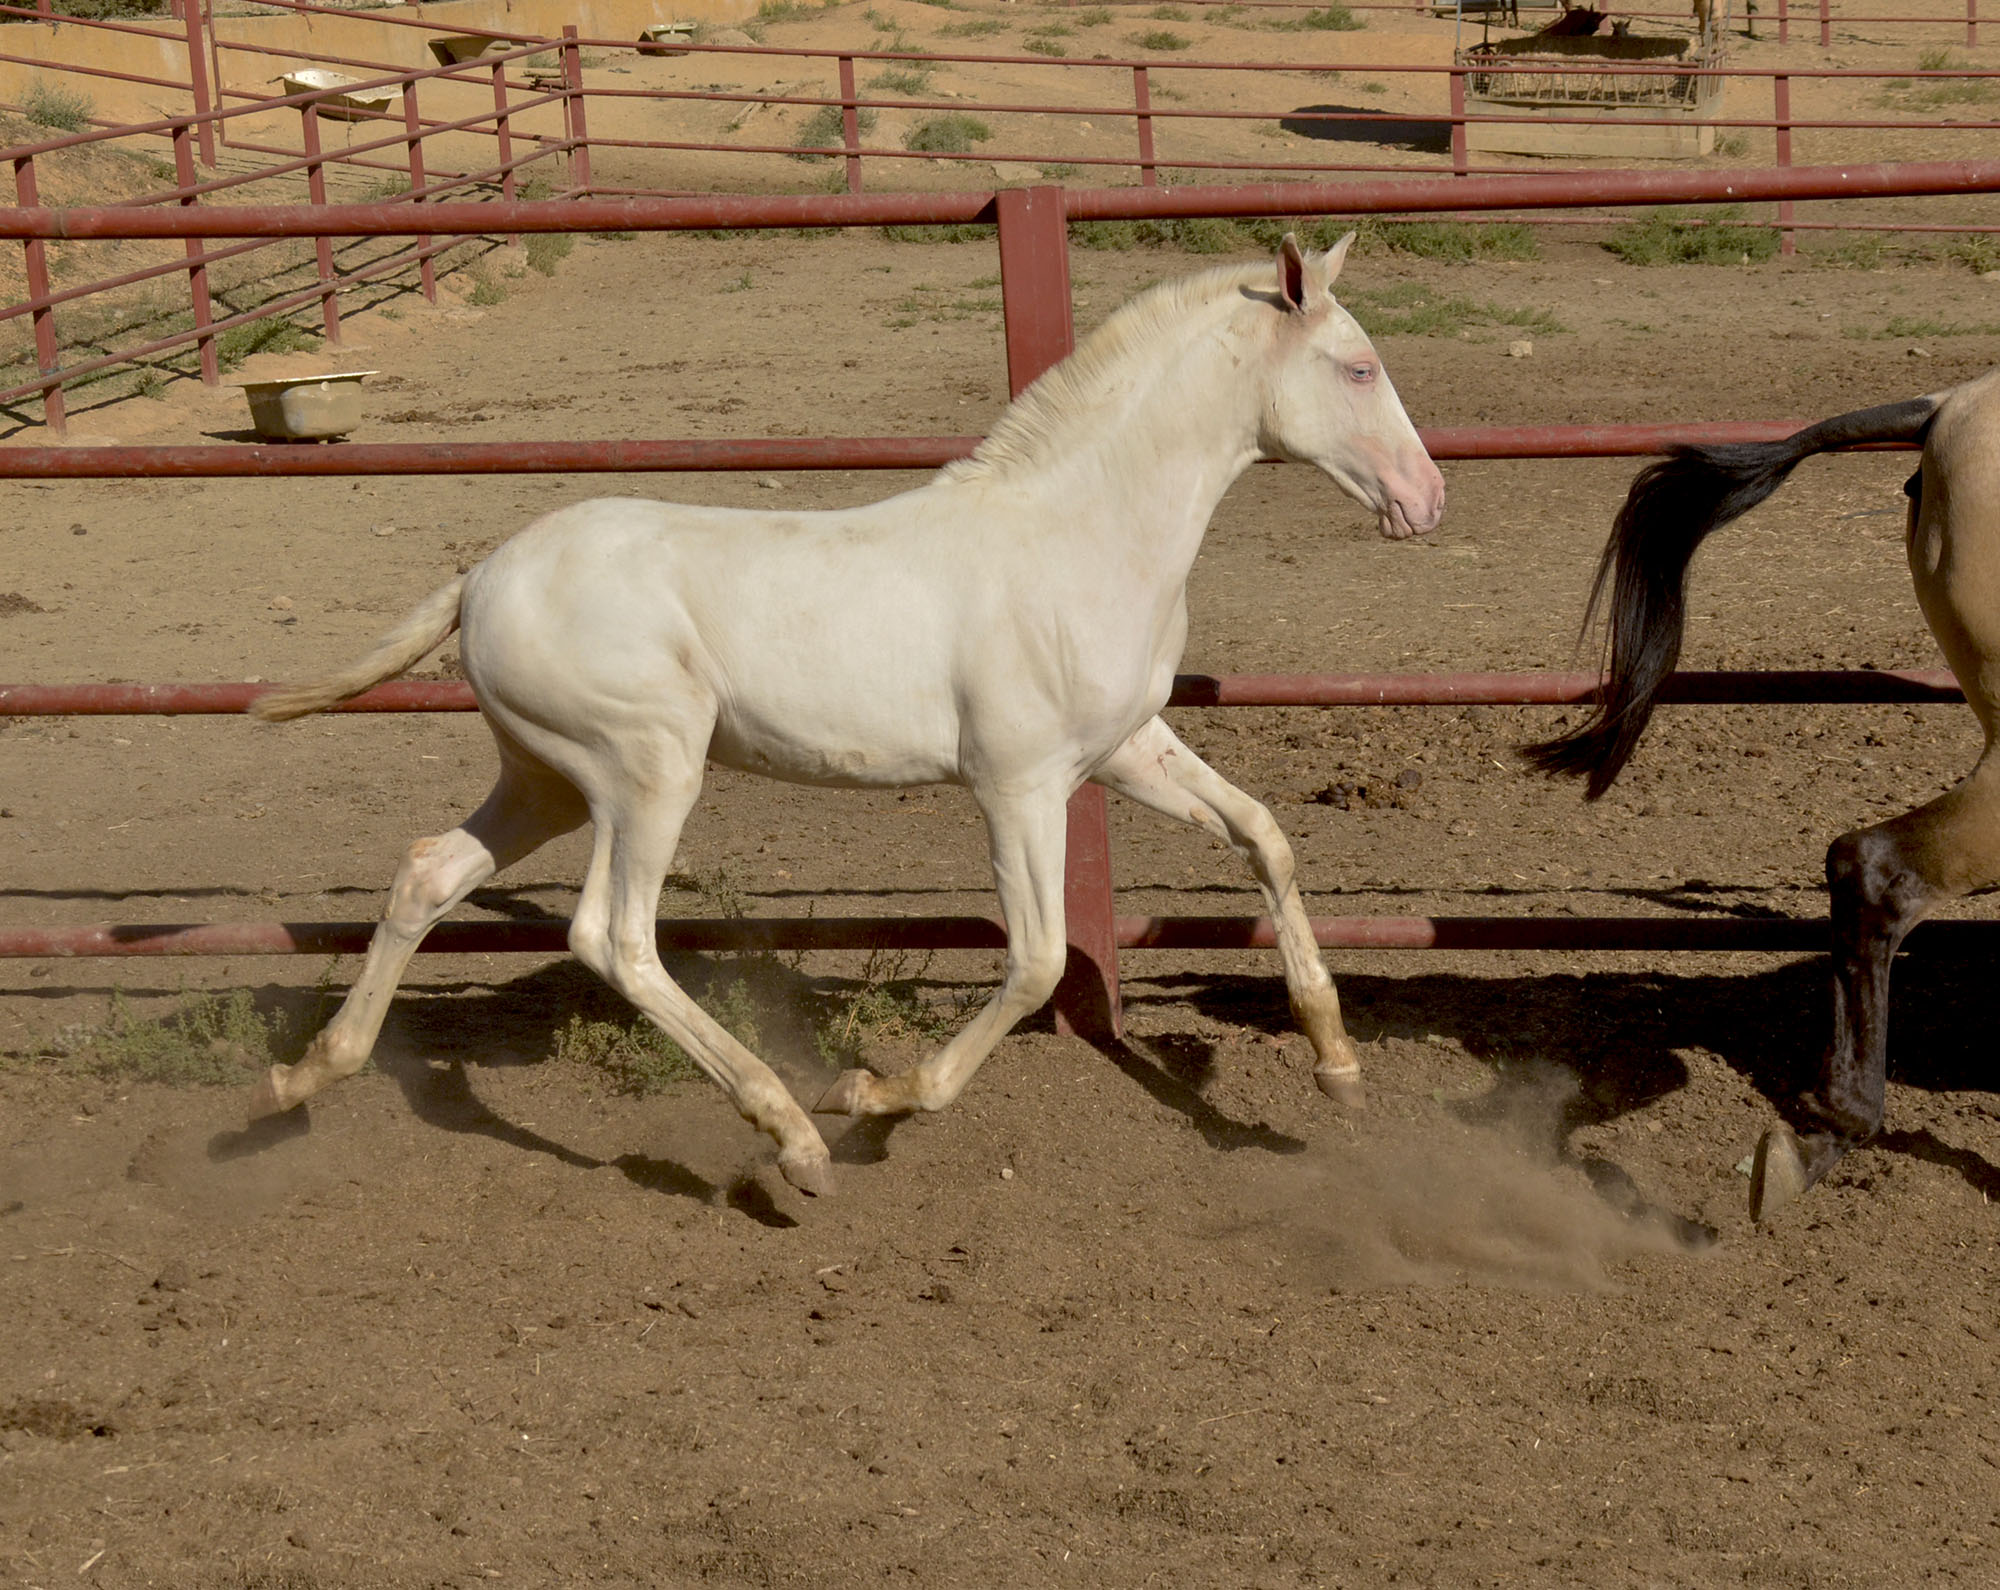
1147 424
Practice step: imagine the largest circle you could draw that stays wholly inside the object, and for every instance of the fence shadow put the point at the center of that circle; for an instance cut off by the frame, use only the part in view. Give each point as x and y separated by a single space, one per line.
1331 124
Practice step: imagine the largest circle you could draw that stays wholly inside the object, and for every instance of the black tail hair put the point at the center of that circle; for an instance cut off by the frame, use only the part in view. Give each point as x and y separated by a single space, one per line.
1672 508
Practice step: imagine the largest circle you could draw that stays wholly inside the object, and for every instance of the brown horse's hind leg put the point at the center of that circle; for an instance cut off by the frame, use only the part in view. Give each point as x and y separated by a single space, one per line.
1883 881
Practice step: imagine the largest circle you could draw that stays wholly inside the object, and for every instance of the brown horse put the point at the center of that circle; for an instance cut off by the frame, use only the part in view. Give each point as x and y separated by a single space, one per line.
1882 880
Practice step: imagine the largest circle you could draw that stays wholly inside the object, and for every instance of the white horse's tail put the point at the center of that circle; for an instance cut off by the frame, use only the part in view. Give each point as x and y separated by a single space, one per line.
425 629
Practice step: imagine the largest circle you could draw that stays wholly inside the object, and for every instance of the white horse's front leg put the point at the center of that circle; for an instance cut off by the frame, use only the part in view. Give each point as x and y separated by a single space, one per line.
1028 837
1156 770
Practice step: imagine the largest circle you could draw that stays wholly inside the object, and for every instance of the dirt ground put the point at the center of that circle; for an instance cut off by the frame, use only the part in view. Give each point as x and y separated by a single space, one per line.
1152 1313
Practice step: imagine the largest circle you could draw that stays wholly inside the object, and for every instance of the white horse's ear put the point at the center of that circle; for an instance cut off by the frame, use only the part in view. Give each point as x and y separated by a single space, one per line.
1292 272
1335 257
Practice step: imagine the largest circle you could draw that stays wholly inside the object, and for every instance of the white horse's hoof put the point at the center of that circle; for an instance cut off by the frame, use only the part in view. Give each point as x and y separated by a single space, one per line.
1777 1173
267 1097
811 1174
1343 1087
852 1093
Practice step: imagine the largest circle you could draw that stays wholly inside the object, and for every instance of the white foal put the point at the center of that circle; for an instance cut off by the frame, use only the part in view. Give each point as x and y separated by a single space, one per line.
1013 626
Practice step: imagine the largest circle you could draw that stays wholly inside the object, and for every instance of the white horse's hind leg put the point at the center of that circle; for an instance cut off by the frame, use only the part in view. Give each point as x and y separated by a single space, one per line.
1155 769
615 934
1028 838
527 808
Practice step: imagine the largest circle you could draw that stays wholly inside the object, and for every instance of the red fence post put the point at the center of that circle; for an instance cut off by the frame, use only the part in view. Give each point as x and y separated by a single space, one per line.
197 253
329 305
1784 22
1458 150
413 129
1142 98
1971 24
198 84
503 141
1035 298
1825 23
44 318
1781 116
850 124
579 131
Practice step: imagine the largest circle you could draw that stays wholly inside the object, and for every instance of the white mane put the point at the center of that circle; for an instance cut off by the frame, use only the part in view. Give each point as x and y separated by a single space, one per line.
1063 395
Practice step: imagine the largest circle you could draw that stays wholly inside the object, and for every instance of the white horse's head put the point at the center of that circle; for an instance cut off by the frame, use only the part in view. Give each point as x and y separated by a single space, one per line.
1329 401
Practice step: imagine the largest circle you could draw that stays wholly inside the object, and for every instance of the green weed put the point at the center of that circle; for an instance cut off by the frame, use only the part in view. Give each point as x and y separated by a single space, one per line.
885 1006
1158 39
637 1058
823 129
910 80
49 104
1410 309
1675 236
1863 253
546 250
1090 17
208 1040
1903 94
1170 14
1326 19
950 232
1456 242
1202 234
1052 48
974 28
486 292
1977 254
1923 326
273 335
953 133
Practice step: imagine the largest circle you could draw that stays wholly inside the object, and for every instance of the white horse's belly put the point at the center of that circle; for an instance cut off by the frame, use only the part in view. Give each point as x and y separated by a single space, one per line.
839 747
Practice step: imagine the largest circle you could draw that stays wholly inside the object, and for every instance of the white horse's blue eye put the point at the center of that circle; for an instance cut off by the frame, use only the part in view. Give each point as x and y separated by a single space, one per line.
1362 372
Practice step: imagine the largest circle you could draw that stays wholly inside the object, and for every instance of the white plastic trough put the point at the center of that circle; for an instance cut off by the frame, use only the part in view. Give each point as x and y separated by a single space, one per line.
306 408
341 105
666 38
453 49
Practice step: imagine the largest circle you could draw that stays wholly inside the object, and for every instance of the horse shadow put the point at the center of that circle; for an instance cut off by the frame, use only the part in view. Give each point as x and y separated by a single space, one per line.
1614 1039
443 1032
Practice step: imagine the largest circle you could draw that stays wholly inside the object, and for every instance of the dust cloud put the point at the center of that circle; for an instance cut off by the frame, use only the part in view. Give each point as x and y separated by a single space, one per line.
1477 1194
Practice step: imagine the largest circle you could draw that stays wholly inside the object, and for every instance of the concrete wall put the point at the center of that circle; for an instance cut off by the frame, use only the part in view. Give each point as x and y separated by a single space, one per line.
46 49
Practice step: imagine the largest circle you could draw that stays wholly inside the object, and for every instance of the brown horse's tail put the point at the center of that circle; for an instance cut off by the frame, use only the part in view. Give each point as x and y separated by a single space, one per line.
1672 508
422 631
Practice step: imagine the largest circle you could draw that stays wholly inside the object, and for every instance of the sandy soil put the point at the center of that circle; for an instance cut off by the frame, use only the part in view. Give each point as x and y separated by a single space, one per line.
1148 1314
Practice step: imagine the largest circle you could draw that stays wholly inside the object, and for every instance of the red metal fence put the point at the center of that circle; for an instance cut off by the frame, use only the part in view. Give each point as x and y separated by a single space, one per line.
534 105
1032 226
